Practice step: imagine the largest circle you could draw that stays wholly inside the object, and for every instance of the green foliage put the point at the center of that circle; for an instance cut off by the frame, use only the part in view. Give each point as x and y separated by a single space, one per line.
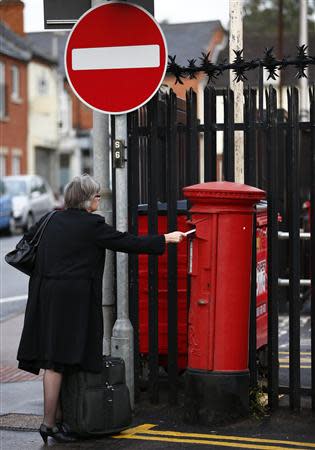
262 15
258 403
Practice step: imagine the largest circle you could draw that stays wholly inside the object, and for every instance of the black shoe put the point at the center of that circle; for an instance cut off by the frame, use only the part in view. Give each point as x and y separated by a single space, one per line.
65 429
56 433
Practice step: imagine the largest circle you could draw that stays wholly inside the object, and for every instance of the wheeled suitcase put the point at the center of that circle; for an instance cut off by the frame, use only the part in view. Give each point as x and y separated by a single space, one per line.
95 404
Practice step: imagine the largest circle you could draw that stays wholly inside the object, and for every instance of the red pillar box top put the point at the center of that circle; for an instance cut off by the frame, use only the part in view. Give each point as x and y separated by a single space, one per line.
222 196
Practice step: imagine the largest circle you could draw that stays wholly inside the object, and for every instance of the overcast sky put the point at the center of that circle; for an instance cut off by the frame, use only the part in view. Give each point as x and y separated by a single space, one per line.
174 11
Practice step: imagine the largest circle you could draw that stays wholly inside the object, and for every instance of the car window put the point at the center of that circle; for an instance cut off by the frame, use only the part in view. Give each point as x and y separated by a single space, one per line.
2 188
34 185
16 187
42 187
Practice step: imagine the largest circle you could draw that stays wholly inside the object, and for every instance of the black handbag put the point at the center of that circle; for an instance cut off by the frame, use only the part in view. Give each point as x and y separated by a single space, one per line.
23 256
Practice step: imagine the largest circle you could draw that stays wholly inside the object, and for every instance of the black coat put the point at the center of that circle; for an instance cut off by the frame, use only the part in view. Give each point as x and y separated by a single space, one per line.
63 320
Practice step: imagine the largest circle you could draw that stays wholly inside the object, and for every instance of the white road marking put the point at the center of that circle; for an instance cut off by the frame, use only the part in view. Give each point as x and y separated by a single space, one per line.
17 298
125 57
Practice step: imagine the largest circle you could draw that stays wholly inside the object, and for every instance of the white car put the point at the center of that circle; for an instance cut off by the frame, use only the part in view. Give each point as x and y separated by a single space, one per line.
32 197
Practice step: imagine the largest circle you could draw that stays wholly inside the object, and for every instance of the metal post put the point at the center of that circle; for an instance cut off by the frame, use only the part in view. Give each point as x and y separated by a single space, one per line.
303 40
280 50
122 337
101 164
236 43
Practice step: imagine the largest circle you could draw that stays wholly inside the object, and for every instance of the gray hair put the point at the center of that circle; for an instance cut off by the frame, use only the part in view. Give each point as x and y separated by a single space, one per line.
80 191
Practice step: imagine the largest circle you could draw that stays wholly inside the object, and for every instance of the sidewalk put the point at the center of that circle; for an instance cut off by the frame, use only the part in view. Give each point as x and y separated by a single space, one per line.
154 426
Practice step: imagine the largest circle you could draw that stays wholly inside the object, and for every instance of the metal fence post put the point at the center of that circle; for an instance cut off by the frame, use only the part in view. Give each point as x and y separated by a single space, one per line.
294 248
312 126
273 269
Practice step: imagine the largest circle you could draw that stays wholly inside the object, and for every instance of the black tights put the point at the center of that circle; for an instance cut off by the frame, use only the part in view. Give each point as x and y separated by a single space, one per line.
52 409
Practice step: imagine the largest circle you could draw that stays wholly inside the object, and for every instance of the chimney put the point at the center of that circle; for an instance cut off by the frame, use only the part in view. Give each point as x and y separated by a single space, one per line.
11 13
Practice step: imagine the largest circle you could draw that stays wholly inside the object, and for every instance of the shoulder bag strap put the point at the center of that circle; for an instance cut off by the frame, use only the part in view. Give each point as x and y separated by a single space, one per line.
38 235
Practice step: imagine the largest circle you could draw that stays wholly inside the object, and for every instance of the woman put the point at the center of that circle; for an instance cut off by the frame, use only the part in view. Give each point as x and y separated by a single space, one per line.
63 327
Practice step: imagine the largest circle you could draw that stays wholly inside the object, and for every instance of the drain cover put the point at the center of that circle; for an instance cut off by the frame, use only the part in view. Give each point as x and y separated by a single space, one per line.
22 422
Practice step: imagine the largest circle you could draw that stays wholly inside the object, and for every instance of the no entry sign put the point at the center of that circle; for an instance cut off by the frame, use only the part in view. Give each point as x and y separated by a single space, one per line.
116 57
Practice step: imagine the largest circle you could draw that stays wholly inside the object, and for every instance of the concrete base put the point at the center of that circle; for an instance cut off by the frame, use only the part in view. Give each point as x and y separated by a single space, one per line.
215 397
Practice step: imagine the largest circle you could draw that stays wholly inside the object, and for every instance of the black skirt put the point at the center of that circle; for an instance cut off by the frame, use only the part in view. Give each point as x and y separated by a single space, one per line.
35 366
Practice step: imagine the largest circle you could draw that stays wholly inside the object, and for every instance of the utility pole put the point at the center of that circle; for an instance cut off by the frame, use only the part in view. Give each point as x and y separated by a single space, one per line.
101 168
122 343
236 43
122 336
303 40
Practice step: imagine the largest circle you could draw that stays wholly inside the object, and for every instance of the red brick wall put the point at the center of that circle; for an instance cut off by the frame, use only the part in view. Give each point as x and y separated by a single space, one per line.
13 128
82 115
180 89
11 12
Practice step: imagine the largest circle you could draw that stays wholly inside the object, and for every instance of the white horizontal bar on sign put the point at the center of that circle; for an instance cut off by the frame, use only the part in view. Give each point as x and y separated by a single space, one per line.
127 57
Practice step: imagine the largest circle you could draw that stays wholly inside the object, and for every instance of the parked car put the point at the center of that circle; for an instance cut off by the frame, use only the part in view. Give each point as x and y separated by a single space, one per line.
6 215
32 197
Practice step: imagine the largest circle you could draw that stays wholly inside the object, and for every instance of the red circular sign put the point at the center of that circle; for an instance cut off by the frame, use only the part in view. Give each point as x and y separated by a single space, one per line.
116 57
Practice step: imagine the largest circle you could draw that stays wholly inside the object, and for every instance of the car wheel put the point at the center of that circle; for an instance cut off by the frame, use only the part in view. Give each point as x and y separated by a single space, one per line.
11 228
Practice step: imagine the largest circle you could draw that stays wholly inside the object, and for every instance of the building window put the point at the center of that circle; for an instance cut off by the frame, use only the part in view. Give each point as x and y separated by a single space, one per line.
16 165
3 165
2 91
15 95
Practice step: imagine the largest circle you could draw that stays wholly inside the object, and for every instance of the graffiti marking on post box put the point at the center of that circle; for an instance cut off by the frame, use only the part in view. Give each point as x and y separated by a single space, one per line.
190 257
195 346
261 278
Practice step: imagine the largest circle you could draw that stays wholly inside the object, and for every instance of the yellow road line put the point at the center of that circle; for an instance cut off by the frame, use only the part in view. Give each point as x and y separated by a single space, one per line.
282 366
138 429
150 434
208 442
306 360
301 353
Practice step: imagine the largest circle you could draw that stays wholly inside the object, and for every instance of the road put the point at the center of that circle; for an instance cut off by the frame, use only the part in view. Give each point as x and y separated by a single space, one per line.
305 352
13 284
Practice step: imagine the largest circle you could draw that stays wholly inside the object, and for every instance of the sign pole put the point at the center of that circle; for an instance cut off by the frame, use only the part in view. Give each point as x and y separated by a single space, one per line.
236 43
122 335
101 168
303 40
100 68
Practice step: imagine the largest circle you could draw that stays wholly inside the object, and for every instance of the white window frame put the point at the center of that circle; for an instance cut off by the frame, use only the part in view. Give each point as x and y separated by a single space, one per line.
15 89
2 91
3 161
16 161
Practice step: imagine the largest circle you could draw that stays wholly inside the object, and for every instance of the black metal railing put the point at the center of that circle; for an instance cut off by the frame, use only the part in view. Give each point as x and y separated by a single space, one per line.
164 155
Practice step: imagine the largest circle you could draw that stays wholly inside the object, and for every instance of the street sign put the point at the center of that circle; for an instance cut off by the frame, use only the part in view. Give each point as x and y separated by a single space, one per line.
61 14
116 57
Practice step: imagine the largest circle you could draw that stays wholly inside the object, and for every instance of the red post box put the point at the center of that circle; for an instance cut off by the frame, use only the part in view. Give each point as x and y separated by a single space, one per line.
217 378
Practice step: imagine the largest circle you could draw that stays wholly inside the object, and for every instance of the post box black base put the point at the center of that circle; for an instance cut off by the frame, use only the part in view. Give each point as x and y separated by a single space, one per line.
215 397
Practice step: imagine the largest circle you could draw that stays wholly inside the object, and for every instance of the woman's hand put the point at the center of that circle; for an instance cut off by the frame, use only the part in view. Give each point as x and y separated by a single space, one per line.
174 238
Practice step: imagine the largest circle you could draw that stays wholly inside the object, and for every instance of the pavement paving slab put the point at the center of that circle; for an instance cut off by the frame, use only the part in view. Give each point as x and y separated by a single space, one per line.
155 427
20 422
22 397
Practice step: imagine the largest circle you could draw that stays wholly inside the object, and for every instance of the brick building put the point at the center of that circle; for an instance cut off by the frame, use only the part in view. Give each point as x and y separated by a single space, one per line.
188 41
75 118
28 101
14 58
